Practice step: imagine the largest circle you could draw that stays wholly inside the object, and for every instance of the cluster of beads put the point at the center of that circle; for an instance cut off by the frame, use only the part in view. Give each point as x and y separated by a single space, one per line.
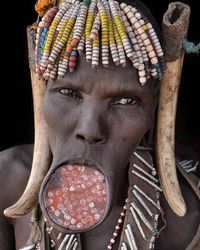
101 28
79 199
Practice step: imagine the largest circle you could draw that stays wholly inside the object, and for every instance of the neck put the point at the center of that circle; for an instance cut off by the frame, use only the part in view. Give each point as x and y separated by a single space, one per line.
95 237
112 227
143 209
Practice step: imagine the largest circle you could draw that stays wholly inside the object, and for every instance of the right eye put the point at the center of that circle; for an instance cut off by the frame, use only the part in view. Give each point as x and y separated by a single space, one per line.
71 93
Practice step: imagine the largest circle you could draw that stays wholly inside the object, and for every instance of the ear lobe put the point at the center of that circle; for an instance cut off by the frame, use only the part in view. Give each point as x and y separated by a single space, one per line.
41 155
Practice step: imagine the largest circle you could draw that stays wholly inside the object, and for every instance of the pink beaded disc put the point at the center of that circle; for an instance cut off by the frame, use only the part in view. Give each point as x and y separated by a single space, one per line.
76 197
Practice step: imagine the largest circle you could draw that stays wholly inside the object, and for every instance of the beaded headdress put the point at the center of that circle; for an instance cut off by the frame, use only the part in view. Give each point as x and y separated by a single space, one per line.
105 30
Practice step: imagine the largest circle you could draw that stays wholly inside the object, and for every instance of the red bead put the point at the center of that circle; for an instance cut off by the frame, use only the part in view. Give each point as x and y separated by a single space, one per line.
73 58
72 64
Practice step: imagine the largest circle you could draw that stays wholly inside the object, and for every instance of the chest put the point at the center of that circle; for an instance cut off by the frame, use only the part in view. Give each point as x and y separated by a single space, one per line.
149 222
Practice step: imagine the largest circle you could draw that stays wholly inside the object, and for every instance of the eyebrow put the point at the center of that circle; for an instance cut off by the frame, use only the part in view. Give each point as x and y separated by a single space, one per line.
69 82
126 88
123 87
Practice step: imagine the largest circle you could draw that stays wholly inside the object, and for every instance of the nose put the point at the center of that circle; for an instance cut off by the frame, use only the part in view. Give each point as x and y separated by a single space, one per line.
90 128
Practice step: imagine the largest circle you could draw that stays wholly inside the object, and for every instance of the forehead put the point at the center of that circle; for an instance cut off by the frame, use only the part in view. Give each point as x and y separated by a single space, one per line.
111 78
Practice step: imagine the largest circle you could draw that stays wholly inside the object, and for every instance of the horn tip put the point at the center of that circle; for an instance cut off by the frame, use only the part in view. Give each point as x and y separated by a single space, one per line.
11 212
181 210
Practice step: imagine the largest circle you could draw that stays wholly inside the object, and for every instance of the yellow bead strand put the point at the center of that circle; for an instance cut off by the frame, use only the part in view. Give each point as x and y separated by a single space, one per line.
104 35
95 52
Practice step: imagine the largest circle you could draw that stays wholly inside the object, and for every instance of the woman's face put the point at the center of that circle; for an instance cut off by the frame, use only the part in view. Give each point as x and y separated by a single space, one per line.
96 118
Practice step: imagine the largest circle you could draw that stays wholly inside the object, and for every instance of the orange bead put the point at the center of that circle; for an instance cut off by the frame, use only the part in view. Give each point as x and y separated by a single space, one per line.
69 49
74 42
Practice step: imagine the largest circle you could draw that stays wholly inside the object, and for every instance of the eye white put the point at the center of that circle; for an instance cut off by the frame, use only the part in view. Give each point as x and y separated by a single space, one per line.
126 101
66 91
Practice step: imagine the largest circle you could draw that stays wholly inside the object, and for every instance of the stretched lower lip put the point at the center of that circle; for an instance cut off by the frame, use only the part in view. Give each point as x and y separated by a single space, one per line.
76 197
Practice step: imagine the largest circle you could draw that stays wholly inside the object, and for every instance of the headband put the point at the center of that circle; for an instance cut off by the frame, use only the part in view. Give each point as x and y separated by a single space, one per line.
105 30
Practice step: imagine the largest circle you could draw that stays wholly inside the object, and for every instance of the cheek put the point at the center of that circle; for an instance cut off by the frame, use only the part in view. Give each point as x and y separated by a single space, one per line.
132 125
127 134
58 114
124 136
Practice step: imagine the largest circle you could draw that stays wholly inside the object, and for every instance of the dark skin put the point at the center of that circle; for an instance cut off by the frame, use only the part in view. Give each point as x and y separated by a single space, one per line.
15 166
97 113
101 115
96 108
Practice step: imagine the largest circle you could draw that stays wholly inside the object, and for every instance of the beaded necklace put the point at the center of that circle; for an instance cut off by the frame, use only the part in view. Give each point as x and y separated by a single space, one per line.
117 227
139 216
71 241
143 208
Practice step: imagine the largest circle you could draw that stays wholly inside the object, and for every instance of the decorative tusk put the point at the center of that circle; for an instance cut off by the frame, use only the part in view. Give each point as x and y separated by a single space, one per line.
165 138
41 155
175 27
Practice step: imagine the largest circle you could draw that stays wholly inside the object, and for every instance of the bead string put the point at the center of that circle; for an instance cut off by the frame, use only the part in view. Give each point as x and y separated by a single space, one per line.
144 209
101 28
117 227
74 244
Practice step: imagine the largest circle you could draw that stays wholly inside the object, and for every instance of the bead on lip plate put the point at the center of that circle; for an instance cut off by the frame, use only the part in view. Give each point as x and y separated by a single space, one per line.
76 197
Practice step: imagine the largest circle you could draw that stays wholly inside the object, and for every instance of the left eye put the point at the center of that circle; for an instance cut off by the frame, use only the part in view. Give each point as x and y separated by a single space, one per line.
125 101
70 93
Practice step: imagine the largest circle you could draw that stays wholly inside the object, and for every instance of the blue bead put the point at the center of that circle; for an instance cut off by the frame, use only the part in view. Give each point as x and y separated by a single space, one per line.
73 53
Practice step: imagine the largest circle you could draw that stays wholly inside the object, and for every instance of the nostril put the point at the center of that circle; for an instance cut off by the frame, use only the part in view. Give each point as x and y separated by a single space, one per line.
97 140
89 139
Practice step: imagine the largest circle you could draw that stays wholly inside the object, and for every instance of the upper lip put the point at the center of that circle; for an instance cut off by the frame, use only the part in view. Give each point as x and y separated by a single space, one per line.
83 162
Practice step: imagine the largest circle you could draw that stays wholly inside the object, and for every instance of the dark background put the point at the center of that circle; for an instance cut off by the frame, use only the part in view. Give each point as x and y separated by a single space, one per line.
16 123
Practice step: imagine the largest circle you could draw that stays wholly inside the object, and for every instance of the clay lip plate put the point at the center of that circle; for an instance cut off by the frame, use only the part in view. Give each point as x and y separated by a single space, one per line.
74 162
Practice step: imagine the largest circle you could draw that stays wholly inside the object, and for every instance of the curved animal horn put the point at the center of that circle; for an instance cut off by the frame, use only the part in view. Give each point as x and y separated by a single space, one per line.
41 155
175 27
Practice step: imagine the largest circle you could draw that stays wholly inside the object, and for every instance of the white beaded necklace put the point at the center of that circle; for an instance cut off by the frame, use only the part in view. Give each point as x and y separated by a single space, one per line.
117 227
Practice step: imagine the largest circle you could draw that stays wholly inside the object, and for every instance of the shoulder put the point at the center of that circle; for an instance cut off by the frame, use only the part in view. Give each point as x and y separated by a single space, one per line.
188 164
18 154
15 166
